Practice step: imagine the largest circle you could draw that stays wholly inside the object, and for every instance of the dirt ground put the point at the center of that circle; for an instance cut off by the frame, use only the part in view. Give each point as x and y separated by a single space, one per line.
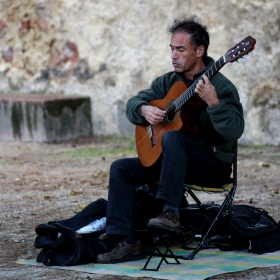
43 182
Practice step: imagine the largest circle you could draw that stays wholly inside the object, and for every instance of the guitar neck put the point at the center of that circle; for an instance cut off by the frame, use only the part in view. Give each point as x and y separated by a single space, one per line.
178 103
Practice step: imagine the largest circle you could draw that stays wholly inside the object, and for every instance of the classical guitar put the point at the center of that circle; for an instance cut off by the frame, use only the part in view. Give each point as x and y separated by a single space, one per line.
148 137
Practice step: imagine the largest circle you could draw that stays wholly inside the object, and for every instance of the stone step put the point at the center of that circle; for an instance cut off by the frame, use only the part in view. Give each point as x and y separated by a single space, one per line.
41 118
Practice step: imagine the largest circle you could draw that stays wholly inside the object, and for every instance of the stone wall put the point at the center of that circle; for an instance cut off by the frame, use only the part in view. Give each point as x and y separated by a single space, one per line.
110 49
41 118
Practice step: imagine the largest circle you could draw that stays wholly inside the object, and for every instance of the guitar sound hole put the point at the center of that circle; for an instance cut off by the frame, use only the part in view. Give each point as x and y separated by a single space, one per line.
170 115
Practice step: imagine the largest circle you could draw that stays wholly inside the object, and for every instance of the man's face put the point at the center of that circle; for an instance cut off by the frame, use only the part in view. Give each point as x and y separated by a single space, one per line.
184 58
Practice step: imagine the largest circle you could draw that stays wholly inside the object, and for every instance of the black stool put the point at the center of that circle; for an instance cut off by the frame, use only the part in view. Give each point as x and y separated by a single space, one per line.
160 237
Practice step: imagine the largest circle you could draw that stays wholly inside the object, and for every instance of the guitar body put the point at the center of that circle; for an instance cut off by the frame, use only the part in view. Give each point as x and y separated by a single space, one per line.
147 152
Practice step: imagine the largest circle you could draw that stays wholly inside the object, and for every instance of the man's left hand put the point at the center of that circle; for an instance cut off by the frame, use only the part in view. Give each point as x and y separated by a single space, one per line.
207 92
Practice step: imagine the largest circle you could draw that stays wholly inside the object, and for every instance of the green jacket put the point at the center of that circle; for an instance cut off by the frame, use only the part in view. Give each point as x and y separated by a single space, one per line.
218 127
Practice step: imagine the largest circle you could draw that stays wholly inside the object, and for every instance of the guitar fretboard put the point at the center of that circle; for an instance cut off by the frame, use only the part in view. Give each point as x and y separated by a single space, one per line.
186 95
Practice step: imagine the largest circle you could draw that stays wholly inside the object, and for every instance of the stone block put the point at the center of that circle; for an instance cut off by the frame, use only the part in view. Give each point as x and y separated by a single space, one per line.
41 118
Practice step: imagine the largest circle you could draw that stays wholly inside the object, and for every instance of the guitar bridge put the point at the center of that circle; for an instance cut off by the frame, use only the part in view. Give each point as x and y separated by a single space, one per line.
151 134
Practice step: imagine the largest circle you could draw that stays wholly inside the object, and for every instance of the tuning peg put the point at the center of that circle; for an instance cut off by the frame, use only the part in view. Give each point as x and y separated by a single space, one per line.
249 55
239 60
244 58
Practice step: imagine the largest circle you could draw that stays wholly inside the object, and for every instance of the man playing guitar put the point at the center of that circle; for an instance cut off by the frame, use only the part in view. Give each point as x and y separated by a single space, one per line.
198 151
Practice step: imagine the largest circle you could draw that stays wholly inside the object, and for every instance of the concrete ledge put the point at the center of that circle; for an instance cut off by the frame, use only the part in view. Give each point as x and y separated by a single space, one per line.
41 118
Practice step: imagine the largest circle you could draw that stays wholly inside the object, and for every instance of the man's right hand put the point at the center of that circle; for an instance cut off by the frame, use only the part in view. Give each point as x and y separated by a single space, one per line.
152 114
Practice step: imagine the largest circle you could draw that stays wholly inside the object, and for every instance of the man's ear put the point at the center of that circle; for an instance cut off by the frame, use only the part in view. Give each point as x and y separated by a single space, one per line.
200 51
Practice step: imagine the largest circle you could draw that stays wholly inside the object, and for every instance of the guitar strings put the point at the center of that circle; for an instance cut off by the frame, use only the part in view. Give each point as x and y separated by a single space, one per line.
190 91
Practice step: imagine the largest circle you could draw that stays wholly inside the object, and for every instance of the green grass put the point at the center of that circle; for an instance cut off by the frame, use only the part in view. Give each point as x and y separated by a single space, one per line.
250 147
108 146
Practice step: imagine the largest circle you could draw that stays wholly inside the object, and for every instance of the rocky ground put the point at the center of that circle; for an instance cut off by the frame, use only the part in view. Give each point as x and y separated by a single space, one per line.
43 182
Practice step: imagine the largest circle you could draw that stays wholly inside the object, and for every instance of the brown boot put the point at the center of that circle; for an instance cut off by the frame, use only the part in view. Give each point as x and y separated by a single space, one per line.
167 220
123 252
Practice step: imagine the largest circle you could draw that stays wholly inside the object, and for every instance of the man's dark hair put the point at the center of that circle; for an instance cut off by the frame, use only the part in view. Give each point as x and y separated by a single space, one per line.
192 26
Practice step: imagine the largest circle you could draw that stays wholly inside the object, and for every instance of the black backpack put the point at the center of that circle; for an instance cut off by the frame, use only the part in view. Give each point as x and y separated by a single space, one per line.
254 229
61 245
239 227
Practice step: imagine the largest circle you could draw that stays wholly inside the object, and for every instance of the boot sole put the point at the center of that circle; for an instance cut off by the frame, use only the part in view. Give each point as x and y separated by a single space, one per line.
163 226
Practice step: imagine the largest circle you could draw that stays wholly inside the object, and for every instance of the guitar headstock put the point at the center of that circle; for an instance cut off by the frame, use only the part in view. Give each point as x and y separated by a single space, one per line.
242 48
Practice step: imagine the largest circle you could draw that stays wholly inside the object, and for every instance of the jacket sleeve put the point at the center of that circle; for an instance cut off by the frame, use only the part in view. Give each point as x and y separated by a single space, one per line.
227 117
158 90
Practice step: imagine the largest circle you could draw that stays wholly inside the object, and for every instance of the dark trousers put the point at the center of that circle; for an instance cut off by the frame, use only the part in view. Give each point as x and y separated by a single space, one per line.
182 160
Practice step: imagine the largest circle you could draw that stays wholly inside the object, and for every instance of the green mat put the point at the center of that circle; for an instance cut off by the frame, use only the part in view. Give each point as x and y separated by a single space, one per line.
207 263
